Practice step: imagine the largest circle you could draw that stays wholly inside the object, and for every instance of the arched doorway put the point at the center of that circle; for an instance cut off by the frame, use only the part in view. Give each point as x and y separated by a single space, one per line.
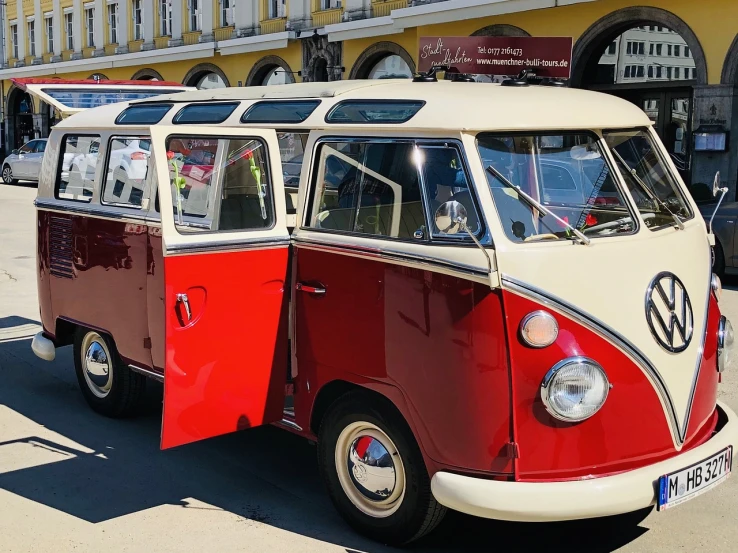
206 76
147 74
20 118
269 71
320 70
383 60
652 58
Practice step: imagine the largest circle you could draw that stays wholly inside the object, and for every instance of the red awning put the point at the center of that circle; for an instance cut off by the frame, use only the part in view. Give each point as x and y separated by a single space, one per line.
22 82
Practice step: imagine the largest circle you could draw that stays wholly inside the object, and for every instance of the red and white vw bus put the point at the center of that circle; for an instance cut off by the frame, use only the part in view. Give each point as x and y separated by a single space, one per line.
495 299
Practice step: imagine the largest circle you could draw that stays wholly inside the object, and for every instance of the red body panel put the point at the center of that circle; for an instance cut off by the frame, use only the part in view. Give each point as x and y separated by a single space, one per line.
703 405
104 285
439 340
226 367
631 429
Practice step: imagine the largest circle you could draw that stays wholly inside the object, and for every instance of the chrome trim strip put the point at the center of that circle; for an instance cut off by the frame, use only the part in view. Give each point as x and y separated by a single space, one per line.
392 256
54 207
290 424
147 372
221 245
607 333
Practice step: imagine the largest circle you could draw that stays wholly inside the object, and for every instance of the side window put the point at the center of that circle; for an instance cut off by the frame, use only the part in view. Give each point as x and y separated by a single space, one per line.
126 170
220 184
291 152
368 188
27 148
40 147
76 168
445 180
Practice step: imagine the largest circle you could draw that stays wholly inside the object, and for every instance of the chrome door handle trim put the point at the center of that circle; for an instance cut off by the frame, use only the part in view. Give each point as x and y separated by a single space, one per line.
182 298
310 289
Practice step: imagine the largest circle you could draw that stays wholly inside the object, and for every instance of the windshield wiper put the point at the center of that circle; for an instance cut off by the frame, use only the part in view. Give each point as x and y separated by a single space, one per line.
535 204
647 190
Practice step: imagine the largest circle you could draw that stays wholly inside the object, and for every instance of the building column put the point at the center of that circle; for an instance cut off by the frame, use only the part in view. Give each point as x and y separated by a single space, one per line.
177 22
124 22
21 36
39 31
247 18
206 14
57 22
148 23
356 9
101 14
77 33
716 106
299 13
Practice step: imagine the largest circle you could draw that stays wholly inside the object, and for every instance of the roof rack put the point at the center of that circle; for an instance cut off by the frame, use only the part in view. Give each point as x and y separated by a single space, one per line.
528 77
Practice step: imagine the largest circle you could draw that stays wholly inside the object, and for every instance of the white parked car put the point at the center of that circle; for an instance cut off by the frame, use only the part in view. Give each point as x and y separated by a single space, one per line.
25 162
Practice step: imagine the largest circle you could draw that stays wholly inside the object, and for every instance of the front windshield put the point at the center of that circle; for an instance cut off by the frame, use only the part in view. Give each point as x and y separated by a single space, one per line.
652 186
565 173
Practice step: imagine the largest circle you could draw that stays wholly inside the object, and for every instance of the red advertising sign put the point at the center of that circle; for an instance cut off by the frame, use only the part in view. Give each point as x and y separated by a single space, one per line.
499 55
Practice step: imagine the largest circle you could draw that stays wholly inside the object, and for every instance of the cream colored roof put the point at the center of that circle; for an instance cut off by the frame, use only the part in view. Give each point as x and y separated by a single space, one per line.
449 105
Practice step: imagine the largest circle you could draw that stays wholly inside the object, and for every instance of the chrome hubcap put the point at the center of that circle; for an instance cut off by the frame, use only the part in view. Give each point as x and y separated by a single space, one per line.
96 365
370 469
7 174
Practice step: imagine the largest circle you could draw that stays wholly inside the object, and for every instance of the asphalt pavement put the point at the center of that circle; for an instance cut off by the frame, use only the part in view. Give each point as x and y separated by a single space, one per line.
71 480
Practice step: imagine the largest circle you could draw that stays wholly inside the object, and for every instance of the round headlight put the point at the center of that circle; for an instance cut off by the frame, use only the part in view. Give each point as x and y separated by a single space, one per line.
539 329
717 286
725 342
574 389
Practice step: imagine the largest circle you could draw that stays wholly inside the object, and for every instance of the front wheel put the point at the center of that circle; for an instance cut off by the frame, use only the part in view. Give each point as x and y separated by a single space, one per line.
109 386
374 471
8 175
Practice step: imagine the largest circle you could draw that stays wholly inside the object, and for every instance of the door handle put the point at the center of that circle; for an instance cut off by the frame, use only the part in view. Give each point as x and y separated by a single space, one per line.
184 300
318 291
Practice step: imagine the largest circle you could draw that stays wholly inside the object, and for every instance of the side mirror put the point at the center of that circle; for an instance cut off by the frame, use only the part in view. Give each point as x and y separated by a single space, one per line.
14 152
716 185
715 191
451 217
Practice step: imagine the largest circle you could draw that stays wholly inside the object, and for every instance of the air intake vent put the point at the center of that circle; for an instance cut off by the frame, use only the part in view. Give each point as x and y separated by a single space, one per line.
60 247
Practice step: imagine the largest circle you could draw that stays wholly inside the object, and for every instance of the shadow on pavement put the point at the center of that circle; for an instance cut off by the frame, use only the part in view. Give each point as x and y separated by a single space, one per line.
265 474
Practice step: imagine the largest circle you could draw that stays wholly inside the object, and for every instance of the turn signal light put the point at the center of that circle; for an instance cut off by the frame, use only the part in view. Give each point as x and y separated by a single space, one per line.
539 329
717 286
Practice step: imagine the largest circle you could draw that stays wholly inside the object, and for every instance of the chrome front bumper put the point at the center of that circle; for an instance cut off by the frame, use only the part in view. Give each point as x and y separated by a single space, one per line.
552 501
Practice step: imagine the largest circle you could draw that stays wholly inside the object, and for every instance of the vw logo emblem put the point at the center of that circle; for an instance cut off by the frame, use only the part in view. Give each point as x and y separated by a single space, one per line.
669 312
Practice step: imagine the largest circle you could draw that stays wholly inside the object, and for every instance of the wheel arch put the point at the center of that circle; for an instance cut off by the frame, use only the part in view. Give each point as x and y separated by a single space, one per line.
386 394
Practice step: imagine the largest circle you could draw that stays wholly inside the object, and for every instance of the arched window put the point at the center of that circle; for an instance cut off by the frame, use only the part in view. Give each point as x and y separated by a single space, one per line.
390 67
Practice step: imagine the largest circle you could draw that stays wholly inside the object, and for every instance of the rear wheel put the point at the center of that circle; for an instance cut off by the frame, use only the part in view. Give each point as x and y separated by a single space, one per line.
8 175
109 386
374 471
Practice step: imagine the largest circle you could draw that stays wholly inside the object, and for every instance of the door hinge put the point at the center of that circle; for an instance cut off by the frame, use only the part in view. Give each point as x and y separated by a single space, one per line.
147 343
513 451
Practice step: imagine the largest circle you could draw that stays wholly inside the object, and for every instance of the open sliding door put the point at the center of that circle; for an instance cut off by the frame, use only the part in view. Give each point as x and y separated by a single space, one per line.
226 251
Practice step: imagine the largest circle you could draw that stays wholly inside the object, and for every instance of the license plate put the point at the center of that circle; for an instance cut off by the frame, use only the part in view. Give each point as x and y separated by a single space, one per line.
688 483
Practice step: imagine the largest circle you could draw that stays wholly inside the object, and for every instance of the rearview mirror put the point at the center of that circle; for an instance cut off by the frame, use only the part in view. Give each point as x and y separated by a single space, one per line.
716 185
450 217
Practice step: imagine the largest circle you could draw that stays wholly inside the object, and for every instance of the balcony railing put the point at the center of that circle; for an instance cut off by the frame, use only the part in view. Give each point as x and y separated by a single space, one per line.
381 8
273 26
193 37
161 42
322 18
223 33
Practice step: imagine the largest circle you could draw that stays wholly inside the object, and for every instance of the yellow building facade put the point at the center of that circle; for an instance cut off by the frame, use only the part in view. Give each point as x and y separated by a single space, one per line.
623 47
